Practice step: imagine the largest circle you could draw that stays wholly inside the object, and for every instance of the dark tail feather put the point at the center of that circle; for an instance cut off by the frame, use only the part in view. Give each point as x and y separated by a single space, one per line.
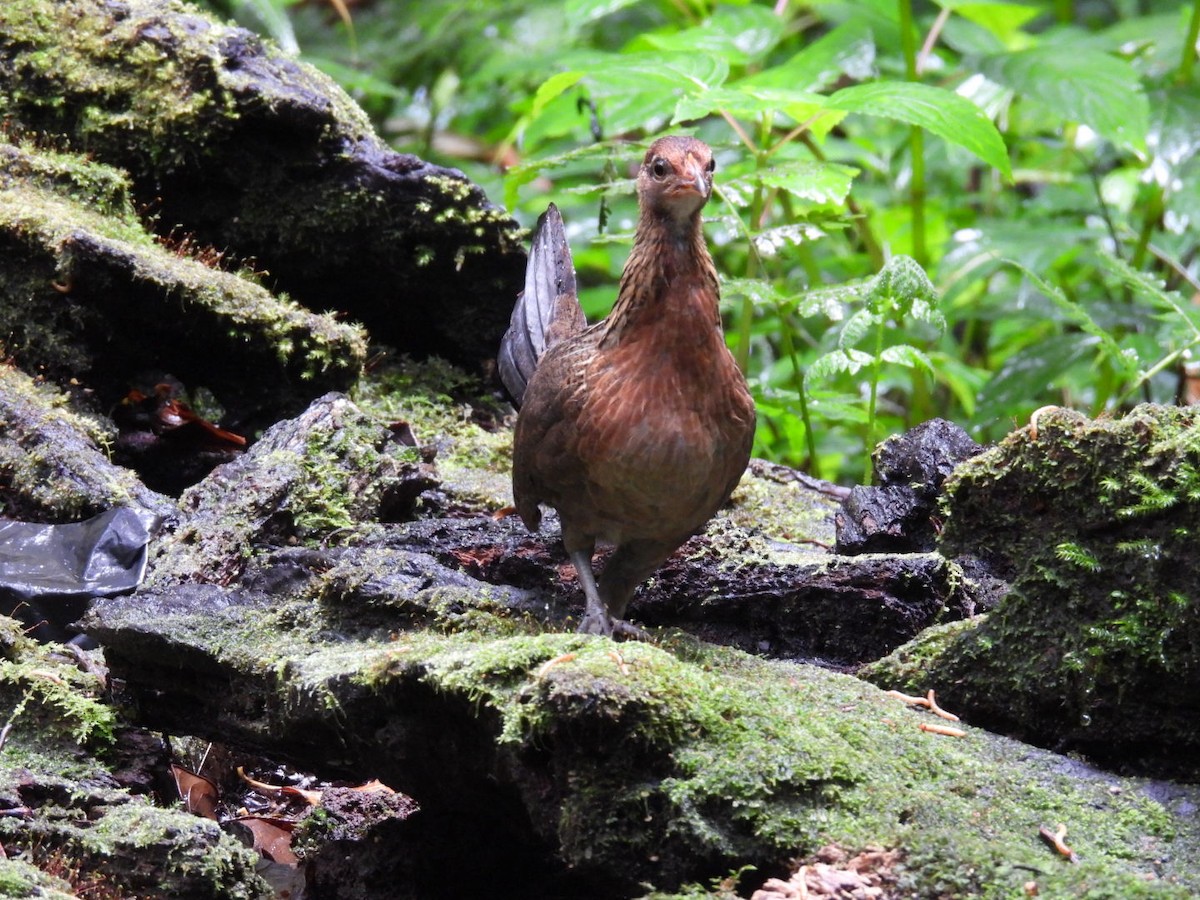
547 310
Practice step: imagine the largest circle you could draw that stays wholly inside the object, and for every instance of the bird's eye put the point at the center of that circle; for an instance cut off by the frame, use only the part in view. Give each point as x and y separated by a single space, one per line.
711 167
659 167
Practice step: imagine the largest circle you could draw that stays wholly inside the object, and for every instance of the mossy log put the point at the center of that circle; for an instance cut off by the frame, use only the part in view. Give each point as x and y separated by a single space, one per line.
230 144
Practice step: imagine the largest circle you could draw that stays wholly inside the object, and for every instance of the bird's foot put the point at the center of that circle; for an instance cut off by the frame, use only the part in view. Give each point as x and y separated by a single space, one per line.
629 631
606 625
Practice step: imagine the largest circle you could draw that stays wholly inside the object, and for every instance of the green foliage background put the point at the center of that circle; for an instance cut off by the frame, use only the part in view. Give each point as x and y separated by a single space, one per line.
959 209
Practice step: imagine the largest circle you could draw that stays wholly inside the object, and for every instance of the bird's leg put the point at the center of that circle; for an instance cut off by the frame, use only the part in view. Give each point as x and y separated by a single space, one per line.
595 618
629 566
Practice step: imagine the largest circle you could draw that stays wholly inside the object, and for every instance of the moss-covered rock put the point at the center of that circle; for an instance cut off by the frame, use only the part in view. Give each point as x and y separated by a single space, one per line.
67 824
234 145
1097 645
330 469
634 764
88 296
52 465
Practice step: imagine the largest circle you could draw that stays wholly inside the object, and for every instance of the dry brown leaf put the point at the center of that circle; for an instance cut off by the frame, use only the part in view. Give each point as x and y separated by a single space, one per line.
199 795
273 837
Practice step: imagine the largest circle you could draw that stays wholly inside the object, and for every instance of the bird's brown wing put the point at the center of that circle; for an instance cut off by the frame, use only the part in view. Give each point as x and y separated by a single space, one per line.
546 312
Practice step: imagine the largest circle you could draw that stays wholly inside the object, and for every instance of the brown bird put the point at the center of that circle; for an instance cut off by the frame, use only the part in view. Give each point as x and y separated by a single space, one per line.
638 428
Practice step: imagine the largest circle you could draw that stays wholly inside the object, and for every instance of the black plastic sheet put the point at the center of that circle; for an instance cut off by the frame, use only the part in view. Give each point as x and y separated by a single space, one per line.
49 573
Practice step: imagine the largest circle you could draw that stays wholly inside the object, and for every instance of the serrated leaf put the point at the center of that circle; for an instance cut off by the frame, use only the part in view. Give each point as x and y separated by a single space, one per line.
740 34
907 356
938 111
1148 288
833 301
761 294
751 102
770 241
1081 84
900 284
847 50
1075 313
816 183
639 91
858 326
836 362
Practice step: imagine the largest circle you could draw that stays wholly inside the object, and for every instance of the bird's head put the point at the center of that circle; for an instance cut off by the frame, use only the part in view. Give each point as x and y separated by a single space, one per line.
676 177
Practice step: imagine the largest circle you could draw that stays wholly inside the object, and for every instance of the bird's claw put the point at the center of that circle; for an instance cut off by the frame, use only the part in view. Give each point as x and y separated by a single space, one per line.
606 625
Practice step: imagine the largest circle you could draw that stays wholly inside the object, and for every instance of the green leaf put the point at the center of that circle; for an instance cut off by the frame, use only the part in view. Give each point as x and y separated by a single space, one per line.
1074 312
770 241
740 34
638 91
938 111
857 327
582 12
752 102
835 362
907 356
818 183
1147 287
901 284
1080 84
832 301
847 50
1004 20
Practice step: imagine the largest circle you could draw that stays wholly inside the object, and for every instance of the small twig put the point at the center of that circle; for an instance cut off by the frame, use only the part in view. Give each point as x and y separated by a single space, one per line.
1033 420
931 39
551 663
741 132
1055 840
929 701
4 733
937 710
620 661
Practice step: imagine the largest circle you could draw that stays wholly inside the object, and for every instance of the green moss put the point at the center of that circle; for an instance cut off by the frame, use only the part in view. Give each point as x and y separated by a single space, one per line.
772 502
105 75
443 407
734 757
51 459
20 879
1097 645
58 212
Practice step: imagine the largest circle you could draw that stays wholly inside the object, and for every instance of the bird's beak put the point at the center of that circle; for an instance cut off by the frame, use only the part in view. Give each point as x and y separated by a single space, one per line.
697 177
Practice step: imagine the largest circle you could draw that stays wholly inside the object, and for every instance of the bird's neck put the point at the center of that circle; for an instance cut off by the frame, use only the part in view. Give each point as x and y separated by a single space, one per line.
669 283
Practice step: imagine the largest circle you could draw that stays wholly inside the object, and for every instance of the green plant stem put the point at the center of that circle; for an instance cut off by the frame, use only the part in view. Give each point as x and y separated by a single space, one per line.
1188 59
917 148
916 143
861 222
876 367
1150 220
810 440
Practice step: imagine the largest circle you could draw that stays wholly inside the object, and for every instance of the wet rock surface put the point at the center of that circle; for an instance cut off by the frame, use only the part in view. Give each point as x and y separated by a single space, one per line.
436 655
1095 647
236 146
340 595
